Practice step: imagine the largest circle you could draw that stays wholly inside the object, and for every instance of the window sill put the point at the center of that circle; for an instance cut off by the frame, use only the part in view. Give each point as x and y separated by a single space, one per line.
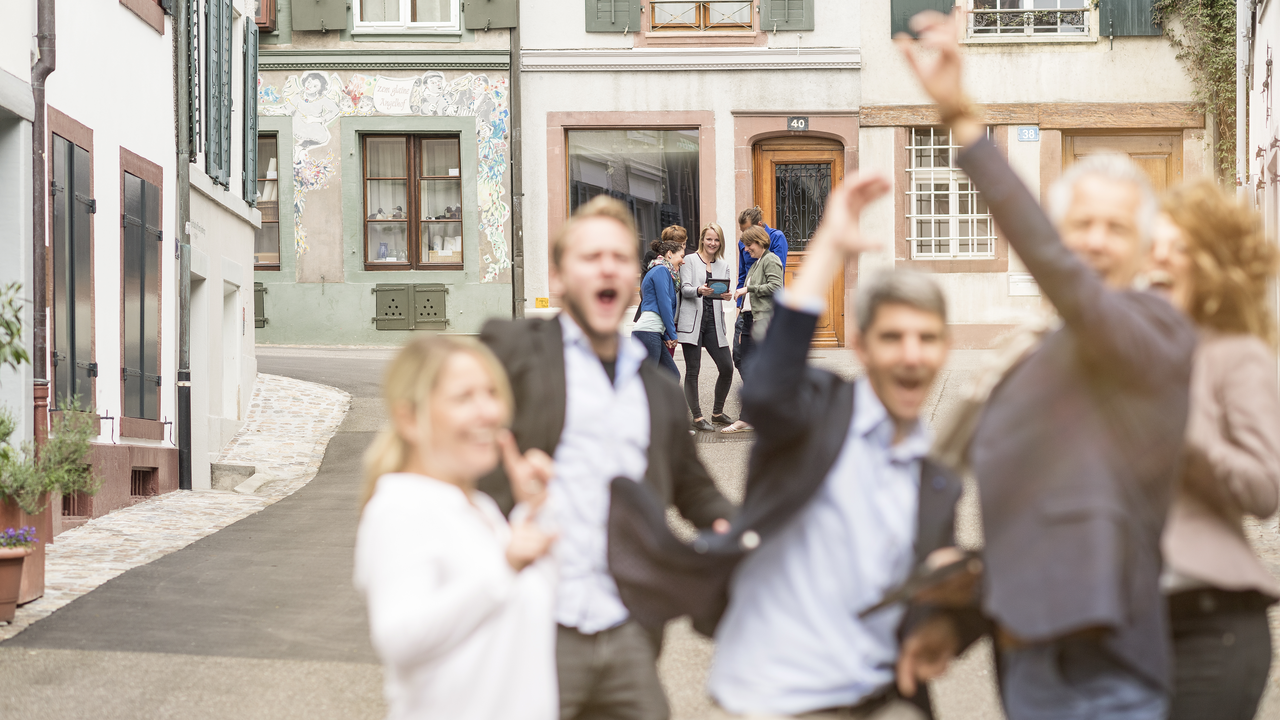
956 265
150 12
358 30
686 38
405 267
1044 39
266 268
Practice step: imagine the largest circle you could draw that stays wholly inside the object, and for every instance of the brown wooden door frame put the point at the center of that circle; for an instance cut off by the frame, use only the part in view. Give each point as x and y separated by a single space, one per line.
767 155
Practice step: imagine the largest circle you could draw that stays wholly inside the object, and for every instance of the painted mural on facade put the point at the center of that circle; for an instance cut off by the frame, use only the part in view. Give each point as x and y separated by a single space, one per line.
316 99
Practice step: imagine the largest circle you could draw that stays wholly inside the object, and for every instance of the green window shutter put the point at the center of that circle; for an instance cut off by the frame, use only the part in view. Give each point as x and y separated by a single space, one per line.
193 75
320 15
217 78
250 110
140 375
613 16
1127 18
489 14
794 15
901 12
259 305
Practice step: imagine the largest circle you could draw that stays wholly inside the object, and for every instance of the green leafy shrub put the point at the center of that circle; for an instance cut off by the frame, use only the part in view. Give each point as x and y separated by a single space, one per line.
11 351
60 467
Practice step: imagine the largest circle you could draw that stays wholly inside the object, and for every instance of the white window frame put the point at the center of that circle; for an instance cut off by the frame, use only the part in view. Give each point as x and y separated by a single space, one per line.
955 178
404 27
1089 34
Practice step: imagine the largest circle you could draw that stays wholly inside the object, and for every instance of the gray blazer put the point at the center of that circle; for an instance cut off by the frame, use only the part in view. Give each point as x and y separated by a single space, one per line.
1233 465
1079 447
689 318
763 280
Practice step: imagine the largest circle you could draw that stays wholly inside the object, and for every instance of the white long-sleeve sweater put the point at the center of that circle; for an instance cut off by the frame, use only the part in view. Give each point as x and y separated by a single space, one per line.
460 635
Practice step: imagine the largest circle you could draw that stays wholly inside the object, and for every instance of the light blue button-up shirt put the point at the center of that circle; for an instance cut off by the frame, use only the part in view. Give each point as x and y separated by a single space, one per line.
791 641
606 435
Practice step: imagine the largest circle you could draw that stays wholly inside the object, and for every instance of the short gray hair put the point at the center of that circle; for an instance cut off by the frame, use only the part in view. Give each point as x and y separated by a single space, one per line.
1110 166
899 287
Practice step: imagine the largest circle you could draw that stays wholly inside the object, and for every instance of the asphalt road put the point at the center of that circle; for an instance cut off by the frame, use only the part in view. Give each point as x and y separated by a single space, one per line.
259 620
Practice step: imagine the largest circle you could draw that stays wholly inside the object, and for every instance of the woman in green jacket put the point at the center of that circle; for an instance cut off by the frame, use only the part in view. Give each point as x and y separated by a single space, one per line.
763 280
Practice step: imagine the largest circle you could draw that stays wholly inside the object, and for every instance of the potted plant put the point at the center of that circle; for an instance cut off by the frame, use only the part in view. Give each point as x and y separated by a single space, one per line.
15 546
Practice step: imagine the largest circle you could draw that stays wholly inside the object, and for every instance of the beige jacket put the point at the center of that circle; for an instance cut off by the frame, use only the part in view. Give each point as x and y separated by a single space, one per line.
1232 465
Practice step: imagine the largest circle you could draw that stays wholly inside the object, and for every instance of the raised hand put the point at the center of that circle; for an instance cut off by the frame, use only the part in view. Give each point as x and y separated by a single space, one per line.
935 59
842 220
529 473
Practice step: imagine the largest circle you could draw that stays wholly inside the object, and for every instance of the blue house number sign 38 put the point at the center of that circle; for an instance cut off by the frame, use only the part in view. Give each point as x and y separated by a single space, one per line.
798 124
1028 133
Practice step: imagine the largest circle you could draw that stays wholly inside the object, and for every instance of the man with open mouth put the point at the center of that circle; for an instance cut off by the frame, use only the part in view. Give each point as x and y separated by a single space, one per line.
584 395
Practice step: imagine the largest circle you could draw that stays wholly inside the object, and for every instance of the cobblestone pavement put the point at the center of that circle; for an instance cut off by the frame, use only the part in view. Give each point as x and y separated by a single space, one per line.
285 435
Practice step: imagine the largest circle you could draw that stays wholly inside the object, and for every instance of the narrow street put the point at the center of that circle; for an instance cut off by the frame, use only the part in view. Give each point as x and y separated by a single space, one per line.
259 619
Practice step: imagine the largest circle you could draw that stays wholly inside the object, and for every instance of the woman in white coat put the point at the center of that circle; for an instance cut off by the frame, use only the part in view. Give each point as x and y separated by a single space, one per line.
460 608
700 324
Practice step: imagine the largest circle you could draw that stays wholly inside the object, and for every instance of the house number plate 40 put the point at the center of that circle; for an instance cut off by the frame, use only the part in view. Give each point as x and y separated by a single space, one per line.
798 124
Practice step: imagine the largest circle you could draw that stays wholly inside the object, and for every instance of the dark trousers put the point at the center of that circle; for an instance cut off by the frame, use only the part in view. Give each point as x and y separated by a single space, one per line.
1075 678
652 342
743 343
709 339
612 675
1222 654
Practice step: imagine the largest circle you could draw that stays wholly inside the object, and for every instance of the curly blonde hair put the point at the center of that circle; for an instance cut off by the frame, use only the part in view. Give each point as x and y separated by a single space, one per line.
1231 260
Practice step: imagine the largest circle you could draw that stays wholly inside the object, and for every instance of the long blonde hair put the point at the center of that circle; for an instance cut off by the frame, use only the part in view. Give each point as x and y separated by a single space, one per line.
702 238
411 378
1231 260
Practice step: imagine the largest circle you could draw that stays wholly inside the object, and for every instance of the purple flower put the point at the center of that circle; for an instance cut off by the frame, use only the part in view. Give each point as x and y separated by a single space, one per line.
22 537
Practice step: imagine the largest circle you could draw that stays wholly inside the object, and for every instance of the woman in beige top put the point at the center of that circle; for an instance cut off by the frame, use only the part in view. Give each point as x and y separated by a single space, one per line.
1213 262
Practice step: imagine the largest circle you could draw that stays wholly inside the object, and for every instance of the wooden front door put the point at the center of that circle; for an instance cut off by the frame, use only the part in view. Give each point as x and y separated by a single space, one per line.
793 177
1159 155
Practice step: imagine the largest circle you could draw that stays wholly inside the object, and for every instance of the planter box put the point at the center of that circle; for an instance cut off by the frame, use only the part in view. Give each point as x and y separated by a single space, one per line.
33 568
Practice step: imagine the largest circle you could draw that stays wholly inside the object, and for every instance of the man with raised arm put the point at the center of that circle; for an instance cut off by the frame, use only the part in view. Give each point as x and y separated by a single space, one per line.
1079 444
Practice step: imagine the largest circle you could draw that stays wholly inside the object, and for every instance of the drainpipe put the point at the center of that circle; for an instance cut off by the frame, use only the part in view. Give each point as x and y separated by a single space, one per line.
517 179
182 83
48 60
1242 98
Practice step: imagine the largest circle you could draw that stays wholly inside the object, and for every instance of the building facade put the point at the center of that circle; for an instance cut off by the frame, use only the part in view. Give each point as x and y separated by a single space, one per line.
383 171
223 226
1055 85
1258 115
780 99
689 113
17 112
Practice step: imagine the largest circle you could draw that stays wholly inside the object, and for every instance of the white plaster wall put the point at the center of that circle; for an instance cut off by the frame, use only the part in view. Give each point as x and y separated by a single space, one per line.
15 248
721 92
106 54
875 154
17 37
1142 69
557 24
223 365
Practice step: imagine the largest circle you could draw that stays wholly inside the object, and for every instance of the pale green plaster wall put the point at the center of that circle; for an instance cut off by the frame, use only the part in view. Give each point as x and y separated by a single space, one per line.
340 313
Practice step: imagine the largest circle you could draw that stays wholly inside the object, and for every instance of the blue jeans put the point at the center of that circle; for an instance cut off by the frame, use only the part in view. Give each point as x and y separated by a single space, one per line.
657 350
1075 679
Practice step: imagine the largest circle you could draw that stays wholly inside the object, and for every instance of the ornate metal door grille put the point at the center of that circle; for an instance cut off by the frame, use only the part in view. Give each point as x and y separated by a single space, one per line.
801 194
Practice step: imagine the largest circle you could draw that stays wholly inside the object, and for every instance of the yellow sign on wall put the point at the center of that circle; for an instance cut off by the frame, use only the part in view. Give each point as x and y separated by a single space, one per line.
542 302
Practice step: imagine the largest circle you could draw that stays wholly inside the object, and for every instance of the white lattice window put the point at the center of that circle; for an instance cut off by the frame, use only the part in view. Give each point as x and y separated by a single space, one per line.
405 16
998 18
721 15
946 216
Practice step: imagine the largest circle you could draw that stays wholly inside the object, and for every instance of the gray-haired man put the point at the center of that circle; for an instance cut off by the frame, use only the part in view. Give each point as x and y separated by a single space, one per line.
1079 445
791 641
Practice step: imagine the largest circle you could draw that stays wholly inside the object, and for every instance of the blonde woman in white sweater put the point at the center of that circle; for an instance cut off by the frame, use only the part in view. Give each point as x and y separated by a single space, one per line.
460 608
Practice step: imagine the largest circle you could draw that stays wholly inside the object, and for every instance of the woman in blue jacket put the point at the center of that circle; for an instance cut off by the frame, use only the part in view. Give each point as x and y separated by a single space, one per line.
659 295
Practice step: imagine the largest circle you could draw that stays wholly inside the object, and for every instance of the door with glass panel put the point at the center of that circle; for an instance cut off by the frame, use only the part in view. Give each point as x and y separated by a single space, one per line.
793 177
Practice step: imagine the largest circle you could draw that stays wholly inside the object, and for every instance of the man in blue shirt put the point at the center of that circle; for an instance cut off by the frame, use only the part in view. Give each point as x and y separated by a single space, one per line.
791 641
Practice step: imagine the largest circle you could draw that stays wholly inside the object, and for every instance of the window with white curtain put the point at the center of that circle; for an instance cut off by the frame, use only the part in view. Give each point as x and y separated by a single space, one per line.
397 16
412 202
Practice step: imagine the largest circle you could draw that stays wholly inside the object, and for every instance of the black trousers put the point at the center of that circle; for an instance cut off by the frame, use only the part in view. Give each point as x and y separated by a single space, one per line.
743 343
709 339
1222 654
